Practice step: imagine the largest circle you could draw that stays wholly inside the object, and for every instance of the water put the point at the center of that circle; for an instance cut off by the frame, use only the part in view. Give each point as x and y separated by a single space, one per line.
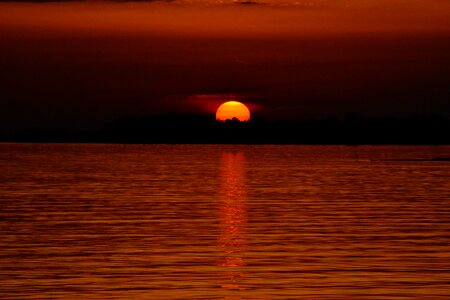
224 222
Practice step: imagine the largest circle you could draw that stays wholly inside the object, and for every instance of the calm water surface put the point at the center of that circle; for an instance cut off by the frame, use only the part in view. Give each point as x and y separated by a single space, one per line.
224 222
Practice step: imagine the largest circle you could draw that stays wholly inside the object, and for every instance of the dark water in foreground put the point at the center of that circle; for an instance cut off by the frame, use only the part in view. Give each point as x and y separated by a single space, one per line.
224 222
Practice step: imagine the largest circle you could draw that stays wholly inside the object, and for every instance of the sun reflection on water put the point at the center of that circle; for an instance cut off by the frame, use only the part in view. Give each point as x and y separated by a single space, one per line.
232 240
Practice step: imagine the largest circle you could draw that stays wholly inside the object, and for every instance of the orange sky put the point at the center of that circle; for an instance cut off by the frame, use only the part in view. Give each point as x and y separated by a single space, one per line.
203 19
80 64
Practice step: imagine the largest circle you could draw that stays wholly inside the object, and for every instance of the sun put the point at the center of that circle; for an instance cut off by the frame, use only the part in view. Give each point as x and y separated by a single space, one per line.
232 109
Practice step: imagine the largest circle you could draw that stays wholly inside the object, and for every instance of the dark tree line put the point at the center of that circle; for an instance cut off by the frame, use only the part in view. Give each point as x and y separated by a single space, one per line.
174 128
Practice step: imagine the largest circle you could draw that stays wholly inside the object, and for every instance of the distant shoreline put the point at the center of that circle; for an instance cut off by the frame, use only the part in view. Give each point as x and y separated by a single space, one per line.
202 129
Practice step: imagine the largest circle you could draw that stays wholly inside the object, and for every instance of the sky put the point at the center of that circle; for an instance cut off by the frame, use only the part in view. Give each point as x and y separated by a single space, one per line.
79 65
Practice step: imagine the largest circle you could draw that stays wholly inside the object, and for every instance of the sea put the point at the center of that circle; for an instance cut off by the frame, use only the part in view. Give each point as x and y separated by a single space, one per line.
103 221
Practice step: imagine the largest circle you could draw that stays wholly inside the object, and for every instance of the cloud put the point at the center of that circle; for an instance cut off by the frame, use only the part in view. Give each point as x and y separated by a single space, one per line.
83 64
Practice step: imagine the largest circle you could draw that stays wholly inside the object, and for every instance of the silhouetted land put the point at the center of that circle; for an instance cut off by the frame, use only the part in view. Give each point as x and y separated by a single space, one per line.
173 128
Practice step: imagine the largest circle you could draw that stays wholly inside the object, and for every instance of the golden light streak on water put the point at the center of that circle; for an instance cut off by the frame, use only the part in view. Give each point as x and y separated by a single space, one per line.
224 222
232 240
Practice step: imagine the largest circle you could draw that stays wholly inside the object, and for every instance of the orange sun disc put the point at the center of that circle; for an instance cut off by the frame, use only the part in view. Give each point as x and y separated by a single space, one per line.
232 109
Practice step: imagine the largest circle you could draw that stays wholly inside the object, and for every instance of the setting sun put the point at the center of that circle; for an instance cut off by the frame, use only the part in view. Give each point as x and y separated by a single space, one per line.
232 109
